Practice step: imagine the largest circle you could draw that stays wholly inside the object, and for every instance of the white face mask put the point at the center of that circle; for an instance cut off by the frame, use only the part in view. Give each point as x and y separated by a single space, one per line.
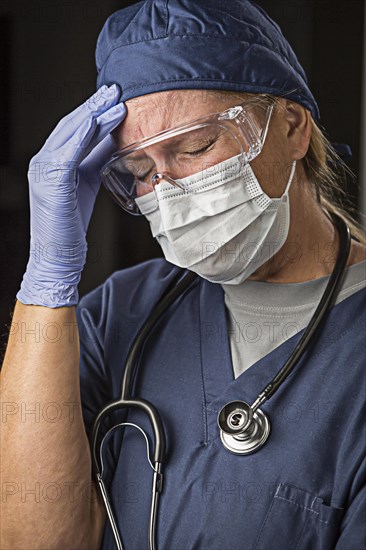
221 225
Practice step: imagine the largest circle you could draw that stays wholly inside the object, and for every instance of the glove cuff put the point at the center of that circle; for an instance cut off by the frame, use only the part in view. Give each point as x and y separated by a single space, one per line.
53 295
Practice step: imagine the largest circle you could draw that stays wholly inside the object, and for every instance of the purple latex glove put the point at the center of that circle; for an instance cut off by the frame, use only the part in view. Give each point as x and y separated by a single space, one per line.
63 184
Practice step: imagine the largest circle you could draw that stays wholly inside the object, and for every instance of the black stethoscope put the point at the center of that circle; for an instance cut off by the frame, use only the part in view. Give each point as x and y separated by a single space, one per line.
243 428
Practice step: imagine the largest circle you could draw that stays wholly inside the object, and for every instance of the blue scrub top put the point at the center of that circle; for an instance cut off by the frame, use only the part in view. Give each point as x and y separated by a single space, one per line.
304 489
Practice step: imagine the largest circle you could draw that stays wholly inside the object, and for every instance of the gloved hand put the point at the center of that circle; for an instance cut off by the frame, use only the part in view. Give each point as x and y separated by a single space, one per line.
63 183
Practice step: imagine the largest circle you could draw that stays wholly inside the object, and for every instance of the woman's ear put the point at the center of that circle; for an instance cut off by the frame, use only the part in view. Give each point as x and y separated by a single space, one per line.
298 129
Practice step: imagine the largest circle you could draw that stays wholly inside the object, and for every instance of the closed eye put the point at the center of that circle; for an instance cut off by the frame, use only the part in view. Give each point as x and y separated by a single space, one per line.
199 151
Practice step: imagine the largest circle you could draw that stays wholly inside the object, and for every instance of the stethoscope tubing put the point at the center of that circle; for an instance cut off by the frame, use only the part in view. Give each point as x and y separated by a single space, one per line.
329 293
133 356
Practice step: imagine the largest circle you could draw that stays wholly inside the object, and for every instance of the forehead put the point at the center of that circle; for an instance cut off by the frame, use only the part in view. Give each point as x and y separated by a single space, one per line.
152 113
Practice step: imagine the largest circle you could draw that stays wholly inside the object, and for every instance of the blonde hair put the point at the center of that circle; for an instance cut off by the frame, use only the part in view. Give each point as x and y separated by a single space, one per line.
323 167
328 173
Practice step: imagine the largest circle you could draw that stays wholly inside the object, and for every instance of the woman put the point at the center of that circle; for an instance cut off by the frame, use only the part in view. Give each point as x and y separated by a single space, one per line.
244 199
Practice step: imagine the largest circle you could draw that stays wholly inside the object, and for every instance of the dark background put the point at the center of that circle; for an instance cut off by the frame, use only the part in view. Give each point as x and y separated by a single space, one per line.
47 69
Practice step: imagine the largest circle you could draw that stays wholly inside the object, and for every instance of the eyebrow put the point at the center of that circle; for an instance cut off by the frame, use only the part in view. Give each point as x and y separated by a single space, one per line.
132 159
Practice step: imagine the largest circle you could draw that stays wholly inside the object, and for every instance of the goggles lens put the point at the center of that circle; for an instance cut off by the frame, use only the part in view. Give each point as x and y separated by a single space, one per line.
181 152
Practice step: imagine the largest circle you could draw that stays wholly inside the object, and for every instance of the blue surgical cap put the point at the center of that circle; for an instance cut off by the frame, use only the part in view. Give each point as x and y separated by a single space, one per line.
157 45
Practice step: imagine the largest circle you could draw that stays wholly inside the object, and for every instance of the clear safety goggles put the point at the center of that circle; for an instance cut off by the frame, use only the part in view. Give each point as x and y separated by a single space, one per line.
176 153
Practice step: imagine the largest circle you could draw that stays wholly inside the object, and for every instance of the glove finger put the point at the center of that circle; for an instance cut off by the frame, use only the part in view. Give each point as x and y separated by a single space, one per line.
98 157
73 113
83 142
106 123
65 165
89 170
99 102
90 178
62 169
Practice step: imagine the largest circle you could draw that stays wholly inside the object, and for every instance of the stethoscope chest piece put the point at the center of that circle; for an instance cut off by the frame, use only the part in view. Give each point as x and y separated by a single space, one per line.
242 431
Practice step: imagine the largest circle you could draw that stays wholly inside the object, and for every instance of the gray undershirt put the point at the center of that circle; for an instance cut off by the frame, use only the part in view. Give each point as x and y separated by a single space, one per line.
262 315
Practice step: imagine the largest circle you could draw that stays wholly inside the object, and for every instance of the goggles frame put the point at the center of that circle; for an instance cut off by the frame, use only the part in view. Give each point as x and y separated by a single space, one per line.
238 119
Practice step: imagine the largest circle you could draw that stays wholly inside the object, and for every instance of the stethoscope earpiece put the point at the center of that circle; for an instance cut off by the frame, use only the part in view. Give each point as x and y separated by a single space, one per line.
242 431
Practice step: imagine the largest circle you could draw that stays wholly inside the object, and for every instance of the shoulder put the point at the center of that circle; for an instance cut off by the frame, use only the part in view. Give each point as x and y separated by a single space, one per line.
133 285
112 313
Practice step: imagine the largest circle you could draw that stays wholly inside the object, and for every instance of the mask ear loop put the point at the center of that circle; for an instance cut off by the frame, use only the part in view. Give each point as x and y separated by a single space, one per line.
292 173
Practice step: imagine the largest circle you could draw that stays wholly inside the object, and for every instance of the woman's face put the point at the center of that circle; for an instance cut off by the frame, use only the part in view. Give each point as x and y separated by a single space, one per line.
189 153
